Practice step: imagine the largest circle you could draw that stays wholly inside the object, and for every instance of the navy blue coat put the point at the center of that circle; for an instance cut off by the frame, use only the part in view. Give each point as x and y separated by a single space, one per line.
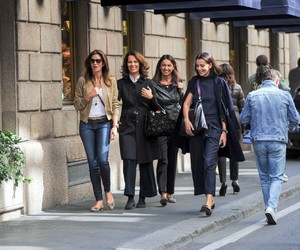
224 104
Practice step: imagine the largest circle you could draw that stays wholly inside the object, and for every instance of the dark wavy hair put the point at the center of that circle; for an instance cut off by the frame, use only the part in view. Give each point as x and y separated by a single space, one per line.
215 69
88 75
158 75
143 64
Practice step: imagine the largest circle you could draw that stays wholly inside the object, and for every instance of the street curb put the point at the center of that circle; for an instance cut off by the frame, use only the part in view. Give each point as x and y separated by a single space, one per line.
184 232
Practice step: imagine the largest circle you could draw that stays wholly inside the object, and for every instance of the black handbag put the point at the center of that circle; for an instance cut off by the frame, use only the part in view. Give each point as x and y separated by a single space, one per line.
158 123
196 117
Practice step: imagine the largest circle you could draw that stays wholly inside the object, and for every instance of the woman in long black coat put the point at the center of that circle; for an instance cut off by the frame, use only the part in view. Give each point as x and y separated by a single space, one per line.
138 96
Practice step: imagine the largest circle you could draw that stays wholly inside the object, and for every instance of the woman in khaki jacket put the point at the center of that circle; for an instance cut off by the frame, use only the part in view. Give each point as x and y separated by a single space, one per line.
96 97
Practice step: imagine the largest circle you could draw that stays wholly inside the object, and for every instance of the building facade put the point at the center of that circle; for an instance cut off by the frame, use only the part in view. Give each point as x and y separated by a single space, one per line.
43 45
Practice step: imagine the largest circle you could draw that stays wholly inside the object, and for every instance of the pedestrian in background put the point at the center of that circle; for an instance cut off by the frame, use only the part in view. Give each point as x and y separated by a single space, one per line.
238 99
138 97
255 80
169 91
270 113
96 97
294 78
205 147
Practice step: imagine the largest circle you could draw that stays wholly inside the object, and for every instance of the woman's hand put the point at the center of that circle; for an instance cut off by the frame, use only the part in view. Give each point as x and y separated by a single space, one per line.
188 127
113 133
95 91
147 93
180 86
223 139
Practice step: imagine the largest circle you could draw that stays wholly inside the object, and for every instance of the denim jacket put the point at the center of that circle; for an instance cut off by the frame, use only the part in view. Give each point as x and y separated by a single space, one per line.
270 112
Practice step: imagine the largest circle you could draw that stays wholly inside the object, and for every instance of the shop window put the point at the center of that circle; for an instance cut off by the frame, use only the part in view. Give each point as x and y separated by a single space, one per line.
67 47
125 30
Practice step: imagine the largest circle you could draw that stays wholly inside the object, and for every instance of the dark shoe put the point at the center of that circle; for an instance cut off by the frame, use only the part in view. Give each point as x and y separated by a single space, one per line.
236 186
130 204
223 189
163 201
206 209
141 203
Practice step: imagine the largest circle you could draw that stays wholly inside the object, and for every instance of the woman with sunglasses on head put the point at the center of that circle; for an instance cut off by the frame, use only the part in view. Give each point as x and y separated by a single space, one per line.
96 97
138 97
169 91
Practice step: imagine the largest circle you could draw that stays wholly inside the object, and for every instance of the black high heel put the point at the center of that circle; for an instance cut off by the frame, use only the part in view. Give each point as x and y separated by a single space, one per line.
206 209
235 186
223 189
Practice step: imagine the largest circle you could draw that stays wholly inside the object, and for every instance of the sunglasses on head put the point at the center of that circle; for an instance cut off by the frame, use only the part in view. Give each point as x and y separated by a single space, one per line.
95 60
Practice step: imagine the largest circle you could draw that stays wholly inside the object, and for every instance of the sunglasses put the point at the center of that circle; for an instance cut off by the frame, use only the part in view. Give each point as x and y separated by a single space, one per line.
95 60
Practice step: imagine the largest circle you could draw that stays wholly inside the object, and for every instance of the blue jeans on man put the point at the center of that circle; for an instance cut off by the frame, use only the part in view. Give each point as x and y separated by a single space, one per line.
95 136
270 161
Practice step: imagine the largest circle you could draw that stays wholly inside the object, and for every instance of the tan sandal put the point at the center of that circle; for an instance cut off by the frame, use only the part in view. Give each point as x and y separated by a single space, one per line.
97 207
110 205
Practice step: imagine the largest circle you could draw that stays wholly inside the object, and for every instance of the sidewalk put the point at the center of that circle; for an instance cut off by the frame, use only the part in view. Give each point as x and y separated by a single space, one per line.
154 227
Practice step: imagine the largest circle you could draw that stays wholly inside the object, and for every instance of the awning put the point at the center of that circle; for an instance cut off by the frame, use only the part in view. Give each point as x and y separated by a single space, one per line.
180 6
295 29
270 9
269 23
275 14
197 6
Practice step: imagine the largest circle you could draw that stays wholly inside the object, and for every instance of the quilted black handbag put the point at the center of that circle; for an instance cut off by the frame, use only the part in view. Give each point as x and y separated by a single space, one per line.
158 123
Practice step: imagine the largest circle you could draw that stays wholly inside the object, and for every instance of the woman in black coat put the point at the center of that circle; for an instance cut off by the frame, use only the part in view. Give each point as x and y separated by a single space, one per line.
137 94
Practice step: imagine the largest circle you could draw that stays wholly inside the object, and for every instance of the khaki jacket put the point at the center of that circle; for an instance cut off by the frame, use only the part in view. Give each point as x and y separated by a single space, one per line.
112 104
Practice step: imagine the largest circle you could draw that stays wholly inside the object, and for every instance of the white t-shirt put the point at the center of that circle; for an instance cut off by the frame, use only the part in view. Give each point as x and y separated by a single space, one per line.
97 108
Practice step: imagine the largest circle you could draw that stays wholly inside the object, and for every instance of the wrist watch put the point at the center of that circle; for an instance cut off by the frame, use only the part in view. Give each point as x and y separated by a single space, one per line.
224 131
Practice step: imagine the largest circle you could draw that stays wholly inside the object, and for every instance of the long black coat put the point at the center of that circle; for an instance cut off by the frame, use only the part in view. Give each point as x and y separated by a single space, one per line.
133 143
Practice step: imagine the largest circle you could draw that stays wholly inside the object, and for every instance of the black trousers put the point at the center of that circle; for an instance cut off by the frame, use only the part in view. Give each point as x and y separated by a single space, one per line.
147 178
167 165
233 166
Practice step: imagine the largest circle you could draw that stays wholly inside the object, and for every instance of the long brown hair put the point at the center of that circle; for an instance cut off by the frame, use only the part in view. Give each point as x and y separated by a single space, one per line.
88 75
143 64
215 69
157 75
228 75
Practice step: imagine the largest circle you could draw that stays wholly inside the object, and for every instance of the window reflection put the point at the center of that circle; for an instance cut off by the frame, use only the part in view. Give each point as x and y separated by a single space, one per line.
66 49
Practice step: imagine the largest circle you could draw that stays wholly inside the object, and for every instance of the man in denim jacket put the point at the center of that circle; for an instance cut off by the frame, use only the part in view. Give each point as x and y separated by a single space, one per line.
270 112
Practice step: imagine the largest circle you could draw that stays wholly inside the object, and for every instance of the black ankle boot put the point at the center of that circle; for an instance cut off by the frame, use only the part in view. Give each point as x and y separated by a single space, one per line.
130 203
223 189
141 203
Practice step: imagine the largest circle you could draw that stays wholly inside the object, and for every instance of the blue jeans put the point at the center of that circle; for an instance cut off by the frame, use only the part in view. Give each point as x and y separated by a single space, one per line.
95 137
270 162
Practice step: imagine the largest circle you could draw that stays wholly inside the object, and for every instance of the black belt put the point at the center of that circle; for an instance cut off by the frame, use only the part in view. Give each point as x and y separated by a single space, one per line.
99 118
